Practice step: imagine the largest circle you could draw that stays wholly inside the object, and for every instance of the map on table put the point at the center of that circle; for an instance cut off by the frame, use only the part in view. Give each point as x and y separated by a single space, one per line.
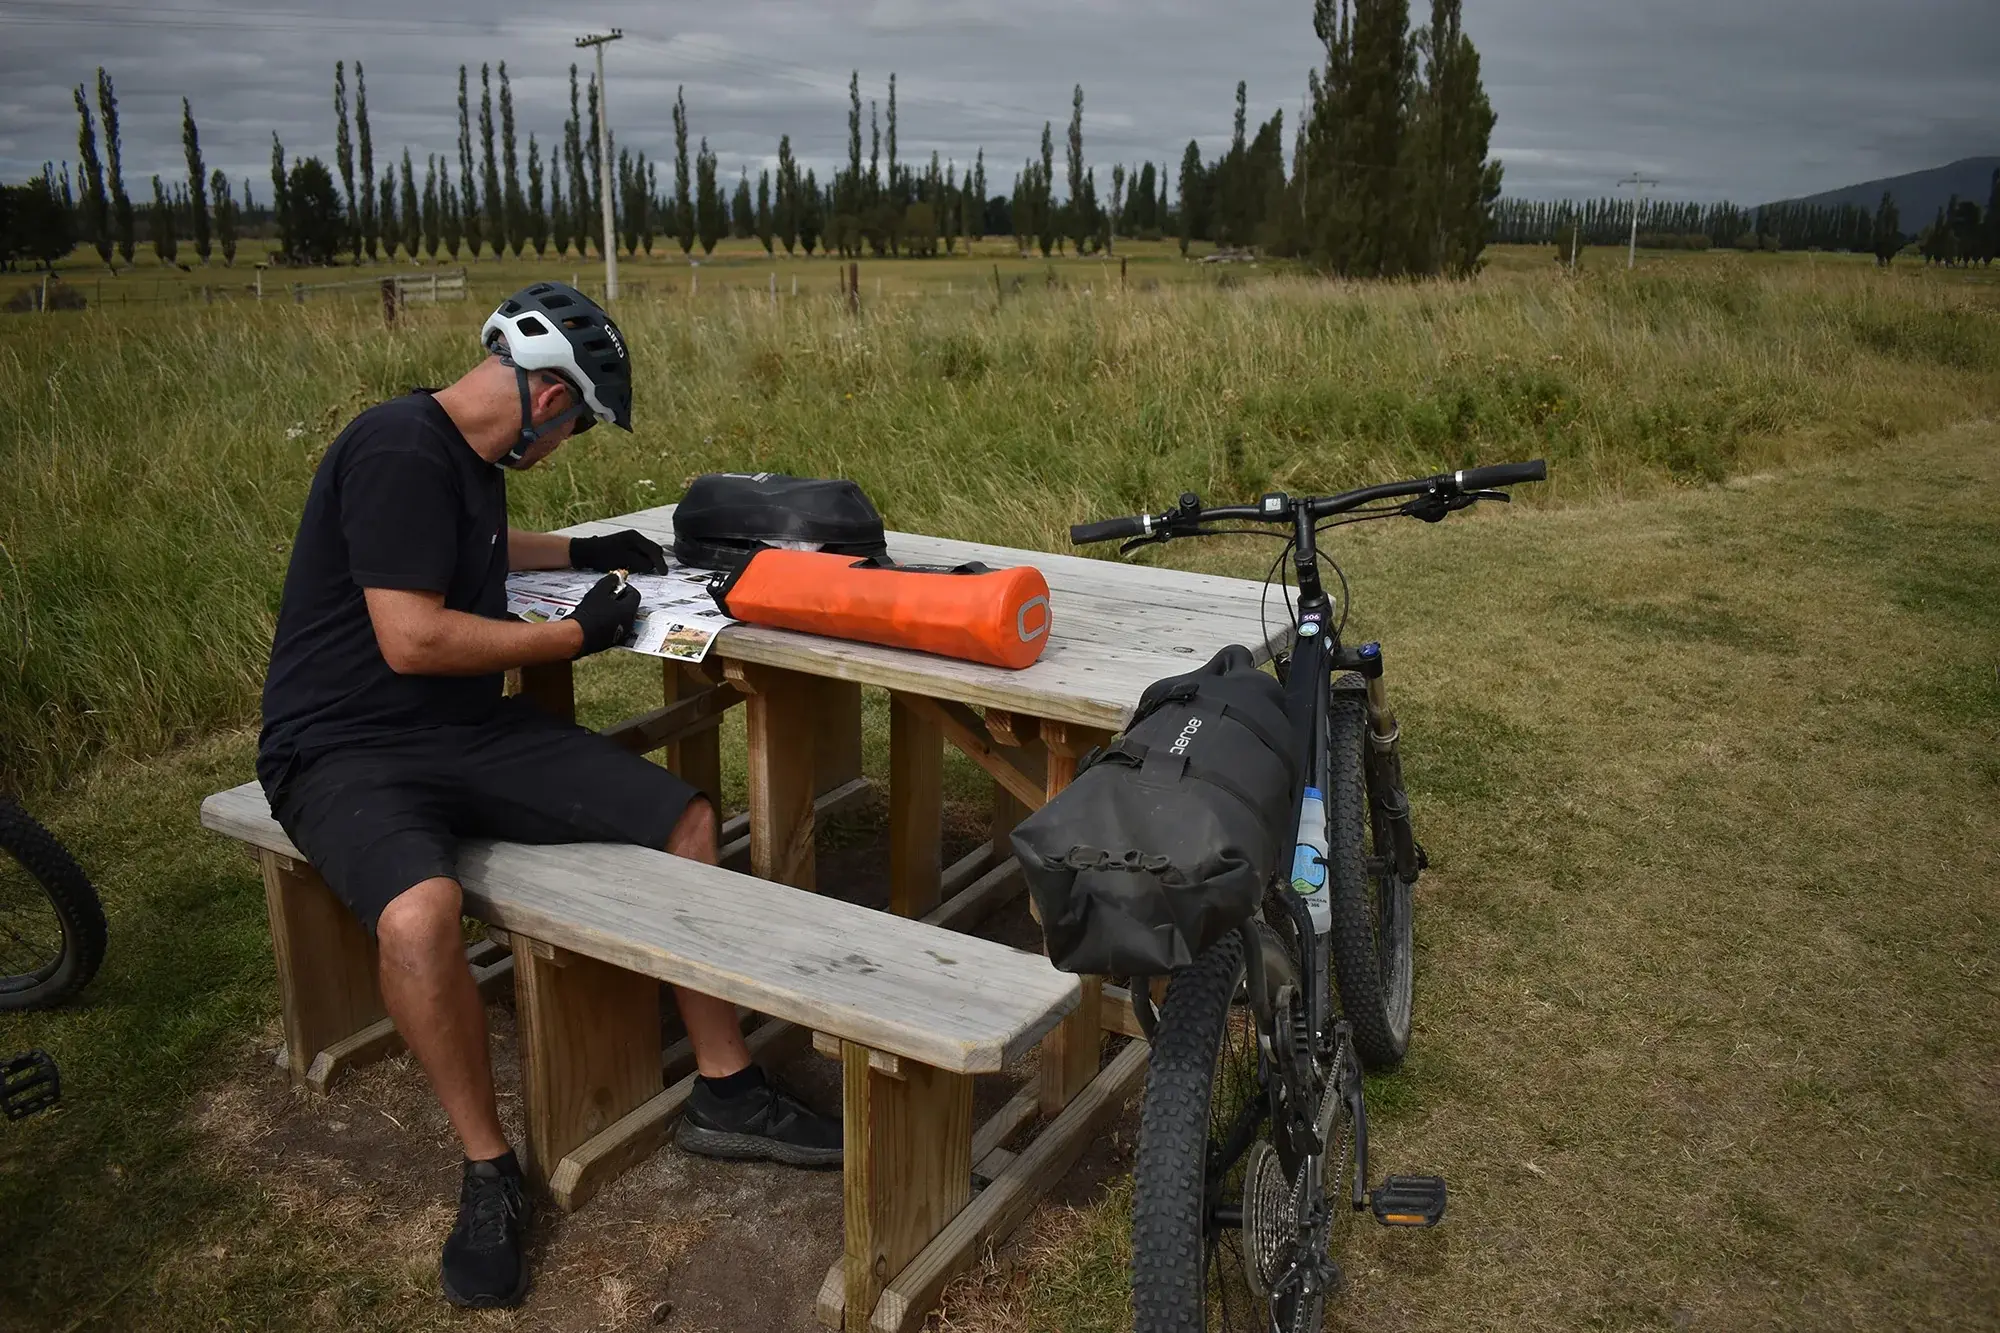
677 617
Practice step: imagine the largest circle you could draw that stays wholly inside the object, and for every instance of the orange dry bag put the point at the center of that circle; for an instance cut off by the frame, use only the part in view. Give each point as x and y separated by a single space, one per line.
996 616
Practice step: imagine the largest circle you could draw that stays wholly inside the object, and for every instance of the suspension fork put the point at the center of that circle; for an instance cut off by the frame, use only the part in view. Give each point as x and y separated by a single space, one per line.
1389 802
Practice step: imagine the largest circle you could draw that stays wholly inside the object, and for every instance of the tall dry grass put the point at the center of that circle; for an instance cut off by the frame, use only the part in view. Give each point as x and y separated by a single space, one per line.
152 467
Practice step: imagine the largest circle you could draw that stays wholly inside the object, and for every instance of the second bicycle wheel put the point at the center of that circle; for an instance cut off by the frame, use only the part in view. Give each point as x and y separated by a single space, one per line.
1373 935
51 923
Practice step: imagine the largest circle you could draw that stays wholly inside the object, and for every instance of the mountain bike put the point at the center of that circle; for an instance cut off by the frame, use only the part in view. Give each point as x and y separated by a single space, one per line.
1253 1138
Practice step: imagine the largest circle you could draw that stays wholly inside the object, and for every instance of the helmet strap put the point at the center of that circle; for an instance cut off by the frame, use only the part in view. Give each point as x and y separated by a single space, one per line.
530 432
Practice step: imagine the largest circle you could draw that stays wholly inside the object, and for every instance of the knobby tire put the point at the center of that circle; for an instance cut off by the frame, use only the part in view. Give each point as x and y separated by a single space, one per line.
76 908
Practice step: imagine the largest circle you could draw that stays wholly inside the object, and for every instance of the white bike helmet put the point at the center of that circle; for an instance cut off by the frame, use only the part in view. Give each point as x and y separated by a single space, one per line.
554 327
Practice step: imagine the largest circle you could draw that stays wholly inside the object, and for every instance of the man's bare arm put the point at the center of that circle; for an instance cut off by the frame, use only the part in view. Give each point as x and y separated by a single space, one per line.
419 637
536 550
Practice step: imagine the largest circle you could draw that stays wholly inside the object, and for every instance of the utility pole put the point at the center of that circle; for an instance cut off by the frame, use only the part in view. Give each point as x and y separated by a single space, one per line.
1640 184
604 158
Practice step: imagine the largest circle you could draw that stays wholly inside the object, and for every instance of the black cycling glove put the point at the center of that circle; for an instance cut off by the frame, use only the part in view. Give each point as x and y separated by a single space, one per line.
606 614
630 550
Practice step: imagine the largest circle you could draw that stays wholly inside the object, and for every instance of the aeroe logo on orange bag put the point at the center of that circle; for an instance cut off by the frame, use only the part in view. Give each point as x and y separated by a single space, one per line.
1030 632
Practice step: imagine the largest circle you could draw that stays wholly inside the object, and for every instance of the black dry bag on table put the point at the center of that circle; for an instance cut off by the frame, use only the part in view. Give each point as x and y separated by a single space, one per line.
727 515
1167 838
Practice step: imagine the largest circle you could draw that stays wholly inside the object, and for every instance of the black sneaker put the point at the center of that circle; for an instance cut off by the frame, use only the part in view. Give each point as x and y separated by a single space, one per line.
763 1124
483 1266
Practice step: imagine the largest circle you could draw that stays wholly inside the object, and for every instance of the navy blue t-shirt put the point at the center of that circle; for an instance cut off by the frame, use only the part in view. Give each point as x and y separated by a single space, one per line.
399 501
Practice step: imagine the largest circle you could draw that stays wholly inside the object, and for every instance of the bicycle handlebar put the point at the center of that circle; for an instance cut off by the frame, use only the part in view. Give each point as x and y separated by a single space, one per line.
1500 474
1186 520
1109 530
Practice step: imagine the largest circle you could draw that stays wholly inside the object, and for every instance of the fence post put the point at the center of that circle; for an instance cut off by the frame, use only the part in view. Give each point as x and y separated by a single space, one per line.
299 293
853 288
998 298
774 288
260 282
434 293
1121 273
388 303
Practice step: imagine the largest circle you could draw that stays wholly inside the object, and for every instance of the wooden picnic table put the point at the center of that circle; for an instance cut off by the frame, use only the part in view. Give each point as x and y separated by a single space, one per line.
1115 628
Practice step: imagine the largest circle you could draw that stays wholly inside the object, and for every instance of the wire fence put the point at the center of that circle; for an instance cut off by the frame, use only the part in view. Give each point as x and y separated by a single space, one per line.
395 291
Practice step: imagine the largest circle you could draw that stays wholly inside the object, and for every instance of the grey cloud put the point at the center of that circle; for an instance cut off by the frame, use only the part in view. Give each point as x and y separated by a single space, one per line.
1717 97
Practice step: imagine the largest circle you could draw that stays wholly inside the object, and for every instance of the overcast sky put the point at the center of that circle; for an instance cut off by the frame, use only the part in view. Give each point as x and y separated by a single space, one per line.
1744 99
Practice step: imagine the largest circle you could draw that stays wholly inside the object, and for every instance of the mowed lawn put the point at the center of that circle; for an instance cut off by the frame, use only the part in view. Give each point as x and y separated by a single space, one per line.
1708 1022
1708 1029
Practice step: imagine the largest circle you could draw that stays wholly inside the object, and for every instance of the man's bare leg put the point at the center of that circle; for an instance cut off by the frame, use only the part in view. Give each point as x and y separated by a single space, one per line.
429 991
712 1026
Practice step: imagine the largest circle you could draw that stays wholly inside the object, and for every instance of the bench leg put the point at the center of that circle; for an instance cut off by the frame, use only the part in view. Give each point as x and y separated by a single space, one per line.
326 962
916 809
589 1035
908 1168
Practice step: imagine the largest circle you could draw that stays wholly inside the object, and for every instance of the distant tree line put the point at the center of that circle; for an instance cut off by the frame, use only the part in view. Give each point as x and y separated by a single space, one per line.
1961 233
1388 176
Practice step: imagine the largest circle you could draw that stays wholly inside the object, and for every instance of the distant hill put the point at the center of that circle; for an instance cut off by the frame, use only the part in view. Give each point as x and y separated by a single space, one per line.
1919 194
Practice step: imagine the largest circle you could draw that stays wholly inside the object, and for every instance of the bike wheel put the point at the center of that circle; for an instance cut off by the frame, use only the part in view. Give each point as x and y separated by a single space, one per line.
51 922
1372 938
1204 1150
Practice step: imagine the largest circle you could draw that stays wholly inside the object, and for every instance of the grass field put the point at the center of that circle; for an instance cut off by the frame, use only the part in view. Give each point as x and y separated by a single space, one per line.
1702 739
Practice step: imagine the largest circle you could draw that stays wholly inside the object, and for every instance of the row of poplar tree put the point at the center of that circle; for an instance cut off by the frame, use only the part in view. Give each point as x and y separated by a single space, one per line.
43 219
1389 175
1960 233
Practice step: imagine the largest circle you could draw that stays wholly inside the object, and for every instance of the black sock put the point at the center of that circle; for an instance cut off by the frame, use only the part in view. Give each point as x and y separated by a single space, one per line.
750 1078
509 1164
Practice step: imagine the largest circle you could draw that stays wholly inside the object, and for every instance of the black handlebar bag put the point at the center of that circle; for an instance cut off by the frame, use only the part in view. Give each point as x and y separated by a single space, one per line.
725 517
1167 838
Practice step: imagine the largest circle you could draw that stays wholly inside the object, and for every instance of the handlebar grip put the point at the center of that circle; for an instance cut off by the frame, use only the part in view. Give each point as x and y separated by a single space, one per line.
1500 474
1108 530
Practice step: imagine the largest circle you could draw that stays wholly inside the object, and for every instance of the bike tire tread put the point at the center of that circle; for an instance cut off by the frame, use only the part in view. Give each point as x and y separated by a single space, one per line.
1169 1279
76 903
1357 974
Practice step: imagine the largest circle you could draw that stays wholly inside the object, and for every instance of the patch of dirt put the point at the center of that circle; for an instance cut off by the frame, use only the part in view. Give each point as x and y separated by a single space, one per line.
677 1243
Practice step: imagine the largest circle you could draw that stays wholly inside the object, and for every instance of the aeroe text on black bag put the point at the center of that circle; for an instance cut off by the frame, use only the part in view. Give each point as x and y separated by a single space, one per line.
1168 837
725 516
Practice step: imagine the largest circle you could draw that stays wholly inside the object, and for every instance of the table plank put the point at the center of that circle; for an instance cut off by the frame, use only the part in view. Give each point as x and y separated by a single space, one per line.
1117 628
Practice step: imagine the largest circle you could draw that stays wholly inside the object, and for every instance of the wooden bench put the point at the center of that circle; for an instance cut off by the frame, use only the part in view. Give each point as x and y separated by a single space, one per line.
915 1010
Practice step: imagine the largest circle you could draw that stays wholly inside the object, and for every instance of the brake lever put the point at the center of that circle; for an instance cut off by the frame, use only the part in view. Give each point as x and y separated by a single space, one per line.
1432 506
1127 547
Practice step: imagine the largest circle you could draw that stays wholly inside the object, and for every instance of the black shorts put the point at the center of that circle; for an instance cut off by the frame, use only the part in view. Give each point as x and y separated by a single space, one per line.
380 817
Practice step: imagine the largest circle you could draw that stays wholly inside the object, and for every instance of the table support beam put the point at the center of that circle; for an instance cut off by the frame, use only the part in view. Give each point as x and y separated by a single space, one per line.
783 750
551 687
916 808
1071 1053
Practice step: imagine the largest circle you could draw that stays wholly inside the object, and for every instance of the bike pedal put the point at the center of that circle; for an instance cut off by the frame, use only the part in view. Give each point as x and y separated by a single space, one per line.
1408 1201
29 1083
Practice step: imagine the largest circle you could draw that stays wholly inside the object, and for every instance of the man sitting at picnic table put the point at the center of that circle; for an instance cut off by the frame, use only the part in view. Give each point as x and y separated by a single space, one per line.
386 740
